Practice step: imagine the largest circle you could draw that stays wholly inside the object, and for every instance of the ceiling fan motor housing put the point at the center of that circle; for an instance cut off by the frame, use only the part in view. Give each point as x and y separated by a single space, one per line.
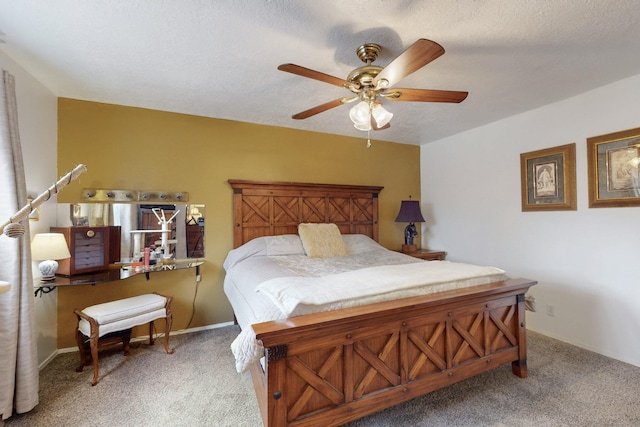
363 76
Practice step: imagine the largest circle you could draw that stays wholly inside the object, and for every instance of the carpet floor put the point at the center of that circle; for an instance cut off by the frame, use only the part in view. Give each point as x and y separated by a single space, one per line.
198 386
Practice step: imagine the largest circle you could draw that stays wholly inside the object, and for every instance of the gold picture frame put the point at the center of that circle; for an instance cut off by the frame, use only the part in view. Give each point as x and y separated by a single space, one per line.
614 175
548 179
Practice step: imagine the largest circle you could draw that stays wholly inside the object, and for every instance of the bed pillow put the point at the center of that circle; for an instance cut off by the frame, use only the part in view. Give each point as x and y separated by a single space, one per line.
255 247
321 240
285 244
359 243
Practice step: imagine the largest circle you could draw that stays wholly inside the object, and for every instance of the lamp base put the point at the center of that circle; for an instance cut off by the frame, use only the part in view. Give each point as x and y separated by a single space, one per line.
407 249
48 269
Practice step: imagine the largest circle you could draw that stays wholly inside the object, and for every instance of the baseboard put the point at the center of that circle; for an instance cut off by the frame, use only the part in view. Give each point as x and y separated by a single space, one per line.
143 338
48 360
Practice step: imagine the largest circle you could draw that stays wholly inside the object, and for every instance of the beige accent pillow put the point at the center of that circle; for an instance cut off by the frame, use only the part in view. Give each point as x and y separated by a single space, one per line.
321 240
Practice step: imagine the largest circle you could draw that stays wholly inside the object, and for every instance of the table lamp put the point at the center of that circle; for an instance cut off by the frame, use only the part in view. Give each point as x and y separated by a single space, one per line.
49 247
409 212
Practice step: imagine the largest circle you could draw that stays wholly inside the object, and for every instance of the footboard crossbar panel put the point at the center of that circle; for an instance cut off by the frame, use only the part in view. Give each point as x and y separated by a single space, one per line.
323 371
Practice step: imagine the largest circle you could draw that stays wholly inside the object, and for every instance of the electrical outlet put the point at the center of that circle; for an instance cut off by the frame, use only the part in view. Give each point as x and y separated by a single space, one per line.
551 310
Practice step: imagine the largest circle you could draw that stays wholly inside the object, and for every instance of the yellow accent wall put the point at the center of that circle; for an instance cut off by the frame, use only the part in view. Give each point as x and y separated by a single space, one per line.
141 149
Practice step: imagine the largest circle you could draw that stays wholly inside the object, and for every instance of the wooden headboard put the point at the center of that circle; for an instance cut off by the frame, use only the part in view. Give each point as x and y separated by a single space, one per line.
274 208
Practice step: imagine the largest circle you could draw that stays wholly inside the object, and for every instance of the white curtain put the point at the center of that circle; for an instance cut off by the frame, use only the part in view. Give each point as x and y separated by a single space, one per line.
18 352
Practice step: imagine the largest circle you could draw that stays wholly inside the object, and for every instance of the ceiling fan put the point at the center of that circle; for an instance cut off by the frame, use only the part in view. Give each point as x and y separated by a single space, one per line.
371 83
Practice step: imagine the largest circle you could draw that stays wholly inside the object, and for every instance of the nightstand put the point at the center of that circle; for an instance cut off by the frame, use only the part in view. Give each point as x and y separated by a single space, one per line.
427 254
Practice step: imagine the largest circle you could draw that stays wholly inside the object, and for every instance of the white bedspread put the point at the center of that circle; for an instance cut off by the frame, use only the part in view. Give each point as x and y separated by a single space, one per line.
267 282
296 296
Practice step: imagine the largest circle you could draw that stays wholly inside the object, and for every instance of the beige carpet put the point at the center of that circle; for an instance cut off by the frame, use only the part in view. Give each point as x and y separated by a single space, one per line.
198 386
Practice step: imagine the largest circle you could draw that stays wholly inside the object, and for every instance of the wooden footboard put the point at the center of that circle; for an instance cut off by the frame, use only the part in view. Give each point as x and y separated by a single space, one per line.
326 369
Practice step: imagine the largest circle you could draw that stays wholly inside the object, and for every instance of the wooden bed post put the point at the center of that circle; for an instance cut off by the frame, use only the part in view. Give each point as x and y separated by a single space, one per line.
519 367
237 217
276 389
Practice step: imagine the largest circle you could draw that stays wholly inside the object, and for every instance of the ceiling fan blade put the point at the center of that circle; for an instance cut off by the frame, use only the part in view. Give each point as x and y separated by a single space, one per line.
321 108
312 74
425 95
413 58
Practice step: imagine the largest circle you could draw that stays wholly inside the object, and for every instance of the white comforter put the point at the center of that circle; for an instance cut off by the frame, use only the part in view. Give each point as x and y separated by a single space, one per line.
296 296
263 287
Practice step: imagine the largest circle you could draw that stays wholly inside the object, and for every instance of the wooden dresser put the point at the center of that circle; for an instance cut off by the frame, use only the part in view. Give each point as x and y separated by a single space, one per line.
90 249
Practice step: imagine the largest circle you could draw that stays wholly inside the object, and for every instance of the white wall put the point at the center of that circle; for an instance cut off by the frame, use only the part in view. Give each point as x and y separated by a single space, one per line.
37 118
586 261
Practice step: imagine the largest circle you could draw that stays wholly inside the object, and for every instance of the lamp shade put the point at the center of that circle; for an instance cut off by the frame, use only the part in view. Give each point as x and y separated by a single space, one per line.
45 246
410 212
49 247
381 116
359 114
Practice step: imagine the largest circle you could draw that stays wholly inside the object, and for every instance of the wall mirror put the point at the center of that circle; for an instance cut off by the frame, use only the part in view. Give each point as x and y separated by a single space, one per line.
178 229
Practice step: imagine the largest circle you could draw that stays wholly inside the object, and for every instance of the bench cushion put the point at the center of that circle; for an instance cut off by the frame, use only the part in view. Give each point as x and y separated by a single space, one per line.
124 314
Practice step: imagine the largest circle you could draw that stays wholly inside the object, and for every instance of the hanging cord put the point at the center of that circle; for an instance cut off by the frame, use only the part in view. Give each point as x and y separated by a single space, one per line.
195 294
11 228
370 120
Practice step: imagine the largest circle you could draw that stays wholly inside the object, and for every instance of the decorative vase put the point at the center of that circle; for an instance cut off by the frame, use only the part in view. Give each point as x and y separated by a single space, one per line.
48 269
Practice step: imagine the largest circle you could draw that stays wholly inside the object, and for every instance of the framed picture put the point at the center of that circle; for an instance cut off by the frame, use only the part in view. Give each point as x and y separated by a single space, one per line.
614 177
549 179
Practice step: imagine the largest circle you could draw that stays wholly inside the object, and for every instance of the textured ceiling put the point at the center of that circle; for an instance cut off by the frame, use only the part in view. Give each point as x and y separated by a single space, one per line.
219 58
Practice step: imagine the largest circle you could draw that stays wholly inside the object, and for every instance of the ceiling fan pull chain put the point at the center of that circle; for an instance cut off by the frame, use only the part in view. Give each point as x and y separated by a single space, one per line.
369 130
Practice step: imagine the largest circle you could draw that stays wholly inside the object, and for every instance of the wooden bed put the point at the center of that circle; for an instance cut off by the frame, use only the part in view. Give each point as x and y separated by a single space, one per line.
330 368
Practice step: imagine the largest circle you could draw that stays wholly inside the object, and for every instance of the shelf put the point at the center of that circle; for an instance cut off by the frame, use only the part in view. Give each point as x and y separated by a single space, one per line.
114 273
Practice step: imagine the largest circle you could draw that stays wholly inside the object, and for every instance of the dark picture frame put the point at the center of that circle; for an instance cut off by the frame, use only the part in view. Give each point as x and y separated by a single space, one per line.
614 175
548 179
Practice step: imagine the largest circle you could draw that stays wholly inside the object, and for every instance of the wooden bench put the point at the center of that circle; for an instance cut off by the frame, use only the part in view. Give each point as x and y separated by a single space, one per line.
111 323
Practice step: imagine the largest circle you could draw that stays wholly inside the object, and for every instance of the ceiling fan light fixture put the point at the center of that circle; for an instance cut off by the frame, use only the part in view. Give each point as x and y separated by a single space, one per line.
362 126
381 116
360 114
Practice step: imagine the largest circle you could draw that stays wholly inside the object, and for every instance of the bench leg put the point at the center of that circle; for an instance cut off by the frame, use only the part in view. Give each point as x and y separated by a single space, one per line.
125 342
151 340
167 329
93 344
82 349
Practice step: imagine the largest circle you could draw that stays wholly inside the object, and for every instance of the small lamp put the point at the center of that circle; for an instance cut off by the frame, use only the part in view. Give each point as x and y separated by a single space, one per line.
409 212
49 247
